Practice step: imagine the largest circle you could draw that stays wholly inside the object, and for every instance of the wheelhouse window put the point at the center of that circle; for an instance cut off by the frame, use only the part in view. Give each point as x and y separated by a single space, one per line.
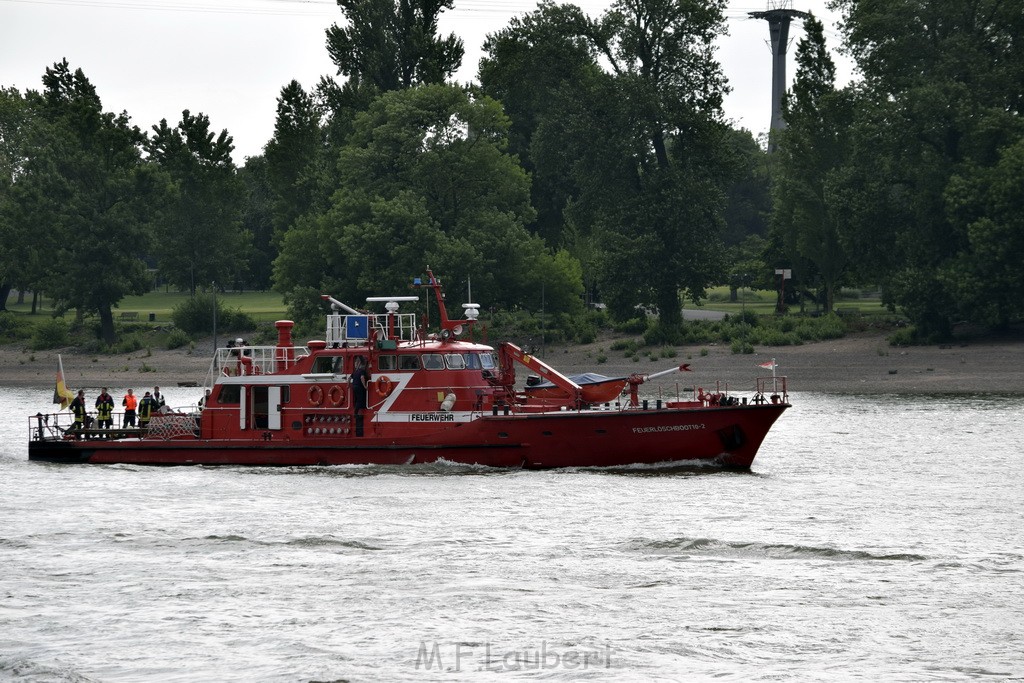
487 361
230 394
409 362
472 361
455 361
389 362
433 361
325 365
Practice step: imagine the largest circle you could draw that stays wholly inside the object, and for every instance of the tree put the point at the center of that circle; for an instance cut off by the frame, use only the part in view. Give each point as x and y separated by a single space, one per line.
292 156
526 65
941 100
201 239
649 150
425 180
86 197
392 44
988 205
257 221
13 153
805 211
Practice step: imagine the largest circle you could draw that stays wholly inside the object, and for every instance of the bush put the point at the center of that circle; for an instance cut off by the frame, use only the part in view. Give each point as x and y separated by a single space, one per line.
658 334
742 347
195 315
632 326
906 336
50 334
748 317
128 344
14 327
177 338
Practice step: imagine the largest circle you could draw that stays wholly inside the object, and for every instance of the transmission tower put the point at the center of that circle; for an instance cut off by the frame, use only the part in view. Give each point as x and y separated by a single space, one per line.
778 15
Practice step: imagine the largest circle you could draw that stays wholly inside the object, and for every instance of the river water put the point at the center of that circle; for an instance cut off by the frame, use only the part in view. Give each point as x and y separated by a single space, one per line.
877 537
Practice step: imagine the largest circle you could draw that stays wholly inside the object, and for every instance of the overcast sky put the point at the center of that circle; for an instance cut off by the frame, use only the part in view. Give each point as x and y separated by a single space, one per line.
230 58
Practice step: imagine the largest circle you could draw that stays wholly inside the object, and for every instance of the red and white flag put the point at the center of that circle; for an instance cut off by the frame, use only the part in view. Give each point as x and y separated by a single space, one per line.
770 365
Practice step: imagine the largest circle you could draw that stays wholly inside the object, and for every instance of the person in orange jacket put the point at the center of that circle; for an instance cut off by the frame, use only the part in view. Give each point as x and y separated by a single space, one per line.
130 403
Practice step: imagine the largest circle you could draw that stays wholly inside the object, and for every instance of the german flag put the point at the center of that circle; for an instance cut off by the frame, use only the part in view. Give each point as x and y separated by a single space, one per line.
62 394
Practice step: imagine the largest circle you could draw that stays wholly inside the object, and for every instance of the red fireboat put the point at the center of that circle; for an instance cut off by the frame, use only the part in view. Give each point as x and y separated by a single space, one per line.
431 397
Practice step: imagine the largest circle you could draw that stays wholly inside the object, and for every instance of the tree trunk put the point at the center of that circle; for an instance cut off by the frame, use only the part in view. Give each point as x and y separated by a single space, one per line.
21 296
107 325
733 294
35 302
669 311
5 291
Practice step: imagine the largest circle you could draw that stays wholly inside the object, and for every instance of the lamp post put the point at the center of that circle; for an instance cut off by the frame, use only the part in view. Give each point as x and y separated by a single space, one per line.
213 286
786 274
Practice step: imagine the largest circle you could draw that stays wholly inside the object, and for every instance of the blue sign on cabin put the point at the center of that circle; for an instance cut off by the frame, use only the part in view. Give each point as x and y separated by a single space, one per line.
357 327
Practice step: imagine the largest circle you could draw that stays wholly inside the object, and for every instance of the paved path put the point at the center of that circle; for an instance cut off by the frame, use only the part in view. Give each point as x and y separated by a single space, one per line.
702 314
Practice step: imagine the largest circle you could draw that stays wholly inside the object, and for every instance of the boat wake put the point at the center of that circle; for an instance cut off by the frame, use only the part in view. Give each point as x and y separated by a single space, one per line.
753 550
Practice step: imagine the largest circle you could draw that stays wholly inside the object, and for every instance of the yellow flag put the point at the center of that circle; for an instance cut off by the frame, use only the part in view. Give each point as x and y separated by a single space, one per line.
62 394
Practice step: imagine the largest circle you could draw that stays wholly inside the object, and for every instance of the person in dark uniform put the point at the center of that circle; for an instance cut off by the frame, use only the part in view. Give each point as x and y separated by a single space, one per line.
104 410
360 384
147 406
78 408
159 398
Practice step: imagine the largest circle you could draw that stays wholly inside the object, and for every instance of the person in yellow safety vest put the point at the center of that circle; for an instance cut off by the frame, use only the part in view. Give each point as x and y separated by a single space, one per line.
78 408
104 410
130 402
147 406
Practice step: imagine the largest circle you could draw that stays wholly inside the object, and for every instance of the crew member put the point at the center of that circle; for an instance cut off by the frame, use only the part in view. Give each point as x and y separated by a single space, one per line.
104 410
360 384
78 408
159 398
130 402
147 406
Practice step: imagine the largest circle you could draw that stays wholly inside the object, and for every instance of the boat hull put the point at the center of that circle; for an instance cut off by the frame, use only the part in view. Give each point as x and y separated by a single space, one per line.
729 436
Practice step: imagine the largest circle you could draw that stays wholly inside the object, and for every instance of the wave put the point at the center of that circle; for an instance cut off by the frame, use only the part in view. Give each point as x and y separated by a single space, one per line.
777 551
28 670
301 542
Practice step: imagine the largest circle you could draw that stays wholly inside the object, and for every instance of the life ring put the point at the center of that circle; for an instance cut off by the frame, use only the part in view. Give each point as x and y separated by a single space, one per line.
316 395
336 395
384 386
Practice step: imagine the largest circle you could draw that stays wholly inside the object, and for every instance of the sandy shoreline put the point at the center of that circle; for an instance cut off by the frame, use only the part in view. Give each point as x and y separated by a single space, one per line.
859 363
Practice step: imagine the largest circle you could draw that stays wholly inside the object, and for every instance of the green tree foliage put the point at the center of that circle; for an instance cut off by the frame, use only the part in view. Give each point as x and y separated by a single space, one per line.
649 155
987 204
201 238
528 63
749 192
390 45
292 156
13 152
426 180
85 196
941 101
257 221
806 213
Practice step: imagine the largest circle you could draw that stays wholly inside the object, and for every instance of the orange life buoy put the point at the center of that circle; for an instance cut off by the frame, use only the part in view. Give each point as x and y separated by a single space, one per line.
383 386
316 395
336 396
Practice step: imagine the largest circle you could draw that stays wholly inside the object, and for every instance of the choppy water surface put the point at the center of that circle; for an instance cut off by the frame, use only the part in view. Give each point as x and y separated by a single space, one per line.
877 537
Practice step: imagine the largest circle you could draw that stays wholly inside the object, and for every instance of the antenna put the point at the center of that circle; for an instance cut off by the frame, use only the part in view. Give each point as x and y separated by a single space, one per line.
778 15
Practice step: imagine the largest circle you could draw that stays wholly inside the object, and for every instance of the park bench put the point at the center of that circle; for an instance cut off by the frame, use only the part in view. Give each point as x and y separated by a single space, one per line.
130 315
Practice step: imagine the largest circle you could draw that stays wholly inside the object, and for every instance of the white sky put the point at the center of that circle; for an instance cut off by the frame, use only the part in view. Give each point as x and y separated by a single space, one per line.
229 59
